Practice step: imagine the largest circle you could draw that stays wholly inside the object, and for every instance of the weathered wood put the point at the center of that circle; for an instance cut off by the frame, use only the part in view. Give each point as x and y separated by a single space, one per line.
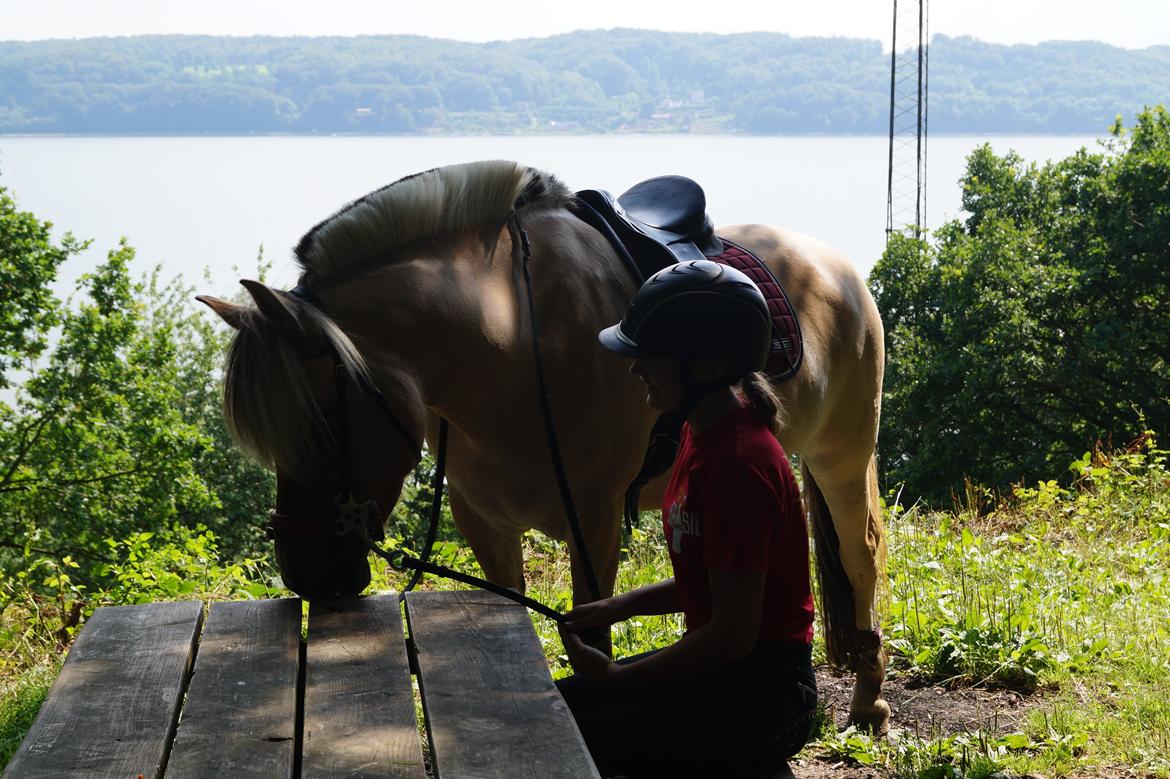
359 703
112 710
240 716
492 709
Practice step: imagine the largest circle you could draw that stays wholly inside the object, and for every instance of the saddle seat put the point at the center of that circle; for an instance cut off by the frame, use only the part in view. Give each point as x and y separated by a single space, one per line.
660 221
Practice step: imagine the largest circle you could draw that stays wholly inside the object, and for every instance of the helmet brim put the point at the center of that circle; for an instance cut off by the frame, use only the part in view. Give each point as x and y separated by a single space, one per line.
613 340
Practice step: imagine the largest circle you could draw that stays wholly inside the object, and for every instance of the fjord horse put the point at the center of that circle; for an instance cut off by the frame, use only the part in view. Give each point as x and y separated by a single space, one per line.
417 289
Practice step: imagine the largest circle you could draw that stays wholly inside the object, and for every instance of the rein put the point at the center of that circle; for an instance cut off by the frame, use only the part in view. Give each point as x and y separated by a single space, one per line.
363 518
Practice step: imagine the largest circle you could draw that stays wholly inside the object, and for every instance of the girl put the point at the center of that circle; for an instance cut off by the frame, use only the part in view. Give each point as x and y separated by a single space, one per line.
737 692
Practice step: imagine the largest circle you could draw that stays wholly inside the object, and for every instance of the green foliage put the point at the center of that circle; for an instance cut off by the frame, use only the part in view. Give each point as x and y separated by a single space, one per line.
20 700
980 755
43 604
1060 589
591 81
28 263
117 428
185 569
1030 592
1035 326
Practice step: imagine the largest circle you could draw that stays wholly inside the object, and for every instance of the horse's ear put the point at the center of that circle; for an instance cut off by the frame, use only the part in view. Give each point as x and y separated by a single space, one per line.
229 312
273 306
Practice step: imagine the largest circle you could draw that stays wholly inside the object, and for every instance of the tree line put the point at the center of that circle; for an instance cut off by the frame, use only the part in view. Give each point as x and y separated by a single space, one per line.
590 81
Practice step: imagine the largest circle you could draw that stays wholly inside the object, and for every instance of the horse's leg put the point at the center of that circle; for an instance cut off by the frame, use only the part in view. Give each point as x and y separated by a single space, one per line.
602 531
499 554
849 497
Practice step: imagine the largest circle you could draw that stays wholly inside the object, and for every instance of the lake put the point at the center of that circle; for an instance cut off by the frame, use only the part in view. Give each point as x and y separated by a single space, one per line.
195 203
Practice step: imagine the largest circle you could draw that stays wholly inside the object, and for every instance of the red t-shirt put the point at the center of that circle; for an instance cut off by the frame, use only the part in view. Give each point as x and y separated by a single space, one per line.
732 504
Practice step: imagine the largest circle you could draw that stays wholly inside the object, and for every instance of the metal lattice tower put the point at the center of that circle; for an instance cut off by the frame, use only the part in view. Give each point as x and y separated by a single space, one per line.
909 66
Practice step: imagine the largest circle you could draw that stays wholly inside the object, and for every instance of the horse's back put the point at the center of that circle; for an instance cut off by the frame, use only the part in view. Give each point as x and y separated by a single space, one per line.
839 383
807 267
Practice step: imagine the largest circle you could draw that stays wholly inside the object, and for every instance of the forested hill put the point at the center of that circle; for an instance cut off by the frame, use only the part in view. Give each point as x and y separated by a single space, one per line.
597 81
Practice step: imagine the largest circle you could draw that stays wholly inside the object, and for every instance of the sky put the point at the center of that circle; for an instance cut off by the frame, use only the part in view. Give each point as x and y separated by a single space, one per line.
1127 23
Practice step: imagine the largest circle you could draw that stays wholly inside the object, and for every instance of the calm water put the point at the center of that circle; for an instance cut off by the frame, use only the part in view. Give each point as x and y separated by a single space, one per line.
198 203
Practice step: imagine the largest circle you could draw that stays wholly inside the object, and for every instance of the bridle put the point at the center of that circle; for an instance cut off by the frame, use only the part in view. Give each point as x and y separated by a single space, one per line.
351 515
363 518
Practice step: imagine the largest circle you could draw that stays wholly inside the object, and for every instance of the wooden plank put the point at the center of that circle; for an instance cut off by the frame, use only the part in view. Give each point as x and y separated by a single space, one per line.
359 703
491 706
112 710
240 716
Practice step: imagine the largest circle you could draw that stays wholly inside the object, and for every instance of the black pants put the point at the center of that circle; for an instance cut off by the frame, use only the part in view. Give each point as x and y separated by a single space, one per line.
750 715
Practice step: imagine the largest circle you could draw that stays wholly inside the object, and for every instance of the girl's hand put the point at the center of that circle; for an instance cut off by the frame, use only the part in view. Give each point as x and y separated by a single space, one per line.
598 614
586 660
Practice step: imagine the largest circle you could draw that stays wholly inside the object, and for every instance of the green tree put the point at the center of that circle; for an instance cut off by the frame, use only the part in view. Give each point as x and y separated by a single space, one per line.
28 263
1035 326
117 429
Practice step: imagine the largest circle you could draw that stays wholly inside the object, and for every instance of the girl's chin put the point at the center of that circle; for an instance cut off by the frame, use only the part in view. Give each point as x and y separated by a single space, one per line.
655 401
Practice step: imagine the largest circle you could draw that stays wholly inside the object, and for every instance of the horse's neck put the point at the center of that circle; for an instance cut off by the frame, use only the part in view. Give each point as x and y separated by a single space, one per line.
454 316
448 312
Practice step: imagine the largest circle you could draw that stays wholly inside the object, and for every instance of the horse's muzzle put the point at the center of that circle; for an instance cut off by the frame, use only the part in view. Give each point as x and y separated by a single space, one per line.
324 568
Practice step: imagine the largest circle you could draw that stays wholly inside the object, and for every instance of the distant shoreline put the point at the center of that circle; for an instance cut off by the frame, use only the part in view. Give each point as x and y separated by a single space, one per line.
584 83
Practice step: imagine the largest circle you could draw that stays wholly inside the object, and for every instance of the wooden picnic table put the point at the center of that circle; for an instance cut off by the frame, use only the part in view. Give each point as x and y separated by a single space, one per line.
161 690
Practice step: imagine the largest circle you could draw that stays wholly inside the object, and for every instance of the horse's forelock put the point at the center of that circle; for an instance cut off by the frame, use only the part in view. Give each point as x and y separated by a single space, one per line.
269 404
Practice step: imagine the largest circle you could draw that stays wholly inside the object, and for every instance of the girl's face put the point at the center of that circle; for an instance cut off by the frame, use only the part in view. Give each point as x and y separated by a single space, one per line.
664 389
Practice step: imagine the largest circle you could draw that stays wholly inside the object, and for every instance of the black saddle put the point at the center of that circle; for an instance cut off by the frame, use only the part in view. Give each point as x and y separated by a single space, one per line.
656 223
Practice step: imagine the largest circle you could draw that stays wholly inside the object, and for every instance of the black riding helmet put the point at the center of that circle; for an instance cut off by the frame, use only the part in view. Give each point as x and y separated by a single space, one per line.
696 310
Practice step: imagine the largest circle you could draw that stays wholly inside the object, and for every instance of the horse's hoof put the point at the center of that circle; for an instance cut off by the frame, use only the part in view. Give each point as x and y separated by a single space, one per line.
874 717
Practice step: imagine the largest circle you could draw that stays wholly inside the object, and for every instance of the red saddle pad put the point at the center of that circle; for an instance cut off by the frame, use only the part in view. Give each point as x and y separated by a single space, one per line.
787 345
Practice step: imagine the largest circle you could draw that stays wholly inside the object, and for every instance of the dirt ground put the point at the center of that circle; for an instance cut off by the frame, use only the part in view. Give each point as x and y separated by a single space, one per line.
927 711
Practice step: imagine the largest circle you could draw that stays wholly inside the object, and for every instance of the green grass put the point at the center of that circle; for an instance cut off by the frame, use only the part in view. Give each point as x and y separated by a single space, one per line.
1060 592
20 700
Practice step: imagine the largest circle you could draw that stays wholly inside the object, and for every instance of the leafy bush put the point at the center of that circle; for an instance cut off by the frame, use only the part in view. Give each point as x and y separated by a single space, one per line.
1049 582
187 568
980 755
115 426
1034 326
42 606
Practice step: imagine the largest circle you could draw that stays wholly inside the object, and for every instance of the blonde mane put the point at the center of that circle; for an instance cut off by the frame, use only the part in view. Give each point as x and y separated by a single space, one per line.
435 202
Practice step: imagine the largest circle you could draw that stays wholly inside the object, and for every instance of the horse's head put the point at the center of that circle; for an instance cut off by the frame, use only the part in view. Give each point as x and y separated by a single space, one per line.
299 396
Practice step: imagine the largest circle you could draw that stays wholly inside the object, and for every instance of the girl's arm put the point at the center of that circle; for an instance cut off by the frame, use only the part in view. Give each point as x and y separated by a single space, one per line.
736 602
659 598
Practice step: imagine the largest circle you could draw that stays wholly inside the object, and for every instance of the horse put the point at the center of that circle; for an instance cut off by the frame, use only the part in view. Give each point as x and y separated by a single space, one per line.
412 308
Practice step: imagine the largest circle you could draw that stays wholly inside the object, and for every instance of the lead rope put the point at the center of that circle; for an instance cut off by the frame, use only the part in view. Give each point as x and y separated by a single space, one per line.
405 561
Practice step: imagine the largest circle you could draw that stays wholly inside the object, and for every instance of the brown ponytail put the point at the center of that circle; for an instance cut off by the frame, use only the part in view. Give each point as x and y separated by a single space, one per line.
762 397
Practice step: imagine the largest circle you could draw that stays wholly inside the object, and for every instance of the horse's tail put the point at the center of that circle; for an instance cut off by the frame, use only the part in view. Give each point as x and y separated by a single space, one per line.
838 614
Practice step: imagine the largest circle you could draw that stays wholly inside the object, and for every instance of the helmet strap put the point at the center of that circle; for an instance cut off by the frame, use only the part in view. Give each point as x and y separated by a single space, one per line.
693 390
